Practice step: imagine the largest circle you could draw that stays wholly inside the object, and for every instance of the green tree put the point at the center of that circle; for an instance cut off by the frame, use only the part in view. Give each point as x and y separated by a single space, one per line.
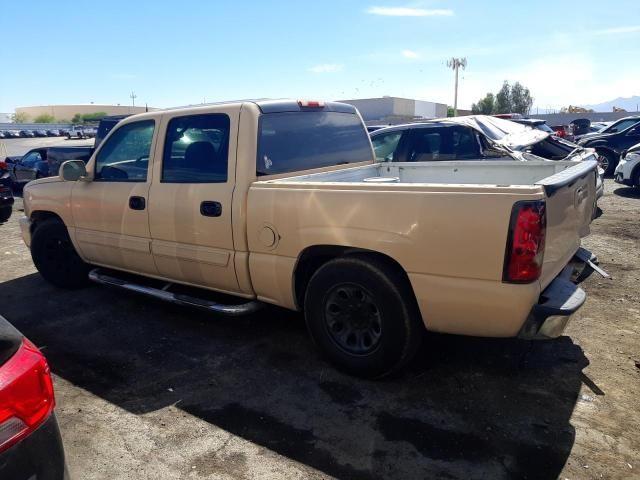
485 106
449 111
20 117
503 102
521 100
77 118
92 117
44 118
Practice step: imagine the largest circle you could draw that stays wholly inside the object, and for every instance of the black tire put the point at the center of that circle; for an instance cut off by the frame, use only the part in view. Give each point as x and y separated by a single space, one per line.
54 256
5 213
635 178
68 136
385 312
608 161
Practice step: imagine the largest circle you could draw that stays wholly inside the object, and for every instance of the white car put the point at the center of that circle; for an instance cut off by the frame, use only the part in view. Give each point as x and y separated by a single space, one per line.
628 169
81 131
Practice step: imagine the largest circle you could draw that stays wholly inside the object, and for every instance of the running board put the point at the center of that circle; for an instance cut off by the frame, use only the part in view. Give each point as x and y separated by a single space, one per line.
97 276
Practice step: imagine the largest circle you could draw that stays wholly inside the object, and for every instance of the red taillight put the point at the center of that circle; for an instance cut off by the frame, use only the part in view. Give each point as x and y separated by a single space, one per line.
310 104
3 165
525 245
26 394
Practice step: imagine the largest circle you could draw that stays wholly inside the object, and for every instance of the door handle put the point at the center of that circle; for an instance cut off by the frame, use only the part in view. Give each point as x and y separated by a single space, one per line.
210 209
137 203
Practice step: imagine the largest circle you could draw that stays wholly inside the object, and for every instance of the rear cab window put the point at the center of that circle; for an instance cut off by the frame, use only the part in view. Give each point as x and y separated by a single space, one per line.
304 140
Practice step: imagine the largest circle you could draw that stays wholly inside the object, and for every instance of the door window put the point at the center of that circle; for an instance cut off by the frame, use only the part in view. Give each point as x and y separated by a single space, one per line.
385 146
443 143
31 159
196 149
124 157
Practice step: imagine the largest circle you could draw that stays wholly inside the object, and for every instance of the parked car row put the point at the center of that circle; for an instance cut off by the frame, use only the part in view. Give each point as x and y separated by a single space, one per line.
76 131
30 133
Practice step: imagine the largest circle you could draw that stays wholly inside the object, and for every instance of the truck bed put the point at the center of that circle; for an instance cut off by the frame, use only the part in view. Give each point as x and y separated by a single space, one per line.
493 172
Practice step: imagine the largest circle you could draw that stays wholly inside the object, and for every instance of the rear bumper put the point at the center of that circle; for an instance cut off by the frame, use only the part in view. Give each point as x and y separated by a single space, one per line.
558 302
40 456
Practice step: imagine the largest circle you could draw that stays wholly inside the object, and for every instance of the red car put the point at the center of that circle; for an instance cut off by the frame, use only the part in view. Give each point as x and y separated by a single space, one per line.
30 442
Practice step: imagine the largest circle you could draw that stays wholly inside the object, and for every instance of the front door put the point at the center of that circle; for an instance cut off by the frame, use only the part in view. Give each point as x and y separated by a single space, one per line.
190 200
110 213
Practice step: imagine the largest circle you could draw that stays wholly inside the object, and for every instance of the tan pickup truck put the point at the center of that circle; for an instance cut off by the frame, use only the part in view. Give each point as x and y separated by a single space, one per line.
282 202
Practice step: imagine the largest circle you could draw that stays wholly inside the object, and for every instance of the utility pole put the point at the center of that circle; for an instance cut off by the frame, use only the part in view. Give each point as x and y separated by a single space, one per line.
133 97
454 64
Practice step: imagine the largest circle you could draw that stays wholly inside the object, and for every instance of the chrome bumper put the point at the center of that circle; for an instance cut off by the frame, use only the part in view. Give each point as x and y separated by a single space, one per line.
560 300
25 228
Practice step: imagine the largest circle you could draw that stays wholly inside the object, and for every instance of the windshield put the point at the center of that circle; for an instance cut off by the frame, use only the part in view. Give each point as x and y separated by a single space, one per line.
294 141
621 125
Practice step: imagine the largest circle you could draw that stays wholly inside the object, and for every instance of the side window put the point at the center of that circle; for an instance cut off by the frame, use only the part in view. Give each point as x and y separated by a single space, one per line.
635 131
31 159
425 146
124 157
196 149
385 146
465 144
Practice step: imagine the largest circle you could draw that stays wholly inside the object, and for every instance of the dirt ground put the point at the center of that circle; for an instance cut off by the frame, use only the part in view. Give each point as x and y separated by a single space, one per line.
149 390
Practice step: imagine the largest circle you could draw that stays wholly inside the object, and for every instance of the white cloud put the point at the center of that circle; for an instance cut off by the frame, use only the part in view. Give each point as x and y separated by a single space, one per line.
409 12
616 30
325 68
410 54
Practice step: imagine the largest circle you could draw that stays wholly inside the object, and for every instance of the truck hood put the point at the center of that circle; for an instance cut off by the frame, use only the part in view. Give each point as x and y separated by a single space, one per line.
46 180
512 135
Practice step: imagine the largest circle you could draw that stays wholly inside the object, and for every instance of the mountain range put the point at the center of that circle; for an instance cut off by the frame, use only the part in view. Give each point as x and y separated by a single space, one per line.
630 104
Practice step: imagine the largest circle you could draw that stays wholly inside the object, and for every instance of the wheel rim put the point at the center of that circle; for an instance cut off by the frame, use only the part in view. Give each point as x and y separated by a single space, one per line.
353 319
603 161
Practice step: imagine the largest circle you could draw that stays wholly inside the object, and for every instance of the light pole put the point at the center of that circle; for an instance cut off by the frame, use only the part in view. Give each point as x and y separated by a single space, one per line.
133 98
454 64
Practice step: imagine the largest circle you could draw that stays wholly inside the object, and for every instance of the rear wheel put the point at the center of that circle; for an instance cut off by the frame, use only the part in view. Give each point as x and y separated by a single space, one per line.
54 256
362 315
5 213
635 179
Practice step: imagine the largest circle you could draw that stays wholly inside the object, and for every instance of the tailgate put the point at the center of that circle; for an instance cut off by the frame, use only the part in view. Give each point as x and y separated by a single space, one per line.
571 196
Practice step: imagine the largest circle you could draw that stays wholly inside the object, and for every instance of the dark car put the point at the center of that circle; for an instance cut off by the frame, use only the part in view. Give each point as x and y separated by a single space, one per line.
6 195
12 134
54 132
40 133
45 162
30 442
2 134
105 126
610 142
27 134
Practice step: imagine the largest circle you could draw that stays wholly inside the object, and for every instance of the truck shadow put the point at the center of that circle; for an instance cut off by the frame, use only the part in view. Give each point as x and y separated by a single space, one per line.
468 408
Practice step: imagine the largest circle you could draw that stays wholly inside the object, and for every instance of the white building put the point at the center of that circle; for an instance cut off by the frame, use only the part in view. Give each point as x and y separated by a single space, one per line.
387 109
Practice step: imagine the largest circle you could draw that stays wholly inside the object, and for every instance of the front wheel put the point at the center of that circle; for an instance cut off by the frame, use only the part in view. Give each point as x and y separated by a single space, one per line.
55 258
607 162
362 315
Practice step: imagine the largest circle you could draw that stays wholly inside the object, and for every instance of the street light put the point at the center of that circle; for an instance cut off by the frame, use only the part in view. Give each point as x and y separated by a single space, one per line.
454 64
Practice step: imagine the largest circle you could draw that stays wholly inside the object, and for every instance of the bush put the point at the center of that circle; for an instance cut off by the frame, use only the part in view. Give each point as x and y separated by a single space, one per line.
44 118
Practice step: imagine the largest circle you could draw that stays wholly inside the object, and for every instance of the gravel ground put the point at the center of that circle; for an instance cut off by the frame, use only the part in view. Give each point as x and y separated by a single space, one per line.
149 390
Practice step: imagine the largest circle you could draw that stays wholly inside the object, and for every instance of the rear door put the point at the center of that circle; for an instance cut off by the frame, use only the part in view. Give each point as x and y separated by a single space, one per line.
190 199
570 204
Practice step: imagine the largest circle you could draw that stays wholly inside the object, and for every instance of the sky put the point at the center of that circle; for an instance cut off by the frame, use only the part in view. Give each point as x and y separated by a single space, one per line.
188 52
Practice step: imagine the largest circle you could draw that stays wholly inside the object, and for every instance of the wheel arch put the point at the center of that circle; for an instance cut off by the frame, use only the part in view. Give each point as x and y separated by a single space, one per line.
315 256
40 216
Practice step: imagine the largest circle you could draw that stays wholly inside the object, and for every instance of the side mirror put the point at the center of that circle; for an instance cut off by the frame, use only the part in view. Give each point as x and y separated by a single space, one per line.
73 170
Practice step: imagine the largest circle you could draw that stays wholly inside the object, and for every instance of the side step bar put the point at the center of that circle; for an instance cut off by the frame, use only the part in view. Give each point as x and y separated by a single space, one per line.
97 276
